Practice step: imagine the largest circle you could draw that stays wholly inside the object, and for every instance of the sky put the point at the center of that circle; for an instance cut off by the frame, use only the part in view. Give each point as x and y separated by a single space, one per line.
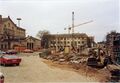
55 15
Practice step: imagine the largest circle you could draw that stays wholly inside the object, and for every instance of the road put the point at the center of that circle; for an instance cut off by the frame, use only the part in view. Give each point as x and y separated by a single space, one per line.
33 70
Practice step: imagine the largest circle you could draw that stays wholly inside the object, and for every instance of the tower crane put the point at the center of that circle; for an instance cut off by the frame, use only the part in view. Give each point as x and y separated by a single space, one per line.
73 26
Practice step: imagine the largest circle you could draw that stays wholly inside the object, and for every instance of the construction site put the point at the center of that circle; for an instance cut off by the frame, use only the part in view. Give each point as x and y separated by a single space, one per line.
84 54
54 55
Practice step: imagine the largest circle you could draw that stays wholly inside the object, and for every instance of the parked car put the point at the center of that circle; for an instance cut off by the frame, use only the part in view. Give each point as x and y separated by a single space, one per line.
28 51
10 60
1 78
2 52
11 52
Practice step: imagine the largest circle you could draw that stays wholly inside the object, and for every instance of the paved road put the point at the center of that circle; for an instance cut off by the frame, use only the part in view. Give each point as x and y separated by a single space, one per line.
33 70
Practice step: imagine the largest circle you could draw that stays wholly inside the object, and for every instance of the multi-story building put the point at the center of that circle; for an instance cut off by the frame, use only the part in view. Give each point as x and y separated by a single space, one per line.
14 37
10 34
62 40
116 49
113 45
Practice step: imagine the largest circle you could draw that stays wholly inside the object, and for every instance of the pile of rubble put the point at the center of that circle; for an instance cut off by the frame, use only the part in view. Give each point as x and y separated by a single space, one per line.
74 59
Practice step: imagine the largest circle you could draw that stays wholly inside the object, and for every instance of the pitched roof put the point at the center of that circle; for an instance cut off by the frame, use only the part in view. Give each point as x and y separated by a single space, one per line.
7 19
20 28
71 35
30 37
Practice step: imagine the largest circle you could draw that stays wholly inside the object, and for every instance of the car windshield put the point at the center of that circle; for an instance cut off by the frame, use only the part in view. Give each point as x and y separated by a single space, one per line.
10 56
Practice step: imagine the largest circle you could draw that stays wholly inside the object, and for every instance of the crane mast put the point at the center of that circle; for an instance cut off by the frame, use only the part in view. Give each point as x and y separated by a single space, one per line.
73 26
72 22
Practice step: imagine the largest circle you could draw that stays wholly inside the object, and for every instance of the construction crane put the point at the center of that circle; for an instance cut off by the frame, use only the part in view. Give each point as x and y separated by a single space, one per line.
73 26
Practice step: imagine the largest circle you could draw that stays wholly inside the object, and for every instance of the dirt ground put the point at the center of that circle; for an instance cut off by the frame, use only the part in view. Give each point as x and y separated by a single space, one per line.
101 75
36 70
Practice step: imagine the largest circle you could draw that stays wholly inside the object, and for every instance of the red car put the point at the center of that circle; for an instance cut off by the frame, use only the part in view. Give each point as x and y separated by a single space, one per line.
10 60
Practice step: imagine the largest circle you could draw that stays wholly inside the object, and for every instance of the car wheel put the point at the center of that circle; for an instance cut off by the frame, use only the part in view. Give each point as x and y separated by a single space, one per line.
4 64
0 64
17 64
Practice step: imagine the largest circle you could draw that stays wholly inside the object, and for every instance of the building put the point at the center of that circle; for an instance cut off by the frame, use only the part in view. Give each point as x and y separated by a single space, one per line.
14 37
10 34
32 43
113 45
62 40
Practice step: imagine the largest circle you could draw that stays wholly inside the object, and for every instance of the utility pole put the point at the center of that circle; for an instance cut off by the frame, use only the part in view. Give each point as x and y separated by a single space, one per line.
72 44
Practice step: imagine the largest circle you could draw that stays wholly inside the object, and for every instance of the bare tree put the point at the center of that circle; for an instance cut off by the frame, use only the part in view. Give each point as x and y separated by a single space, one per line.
41 33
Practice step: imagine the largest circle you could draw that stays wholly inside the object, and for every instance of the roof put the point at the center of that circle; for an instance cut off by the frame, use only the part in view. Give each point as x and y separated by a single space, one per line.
20 28
7 19
30 37
70 35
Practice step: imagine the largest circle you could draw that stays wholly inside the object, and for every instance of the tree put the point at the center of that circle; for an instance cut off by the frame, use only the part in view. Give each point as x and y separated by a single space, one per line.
41 33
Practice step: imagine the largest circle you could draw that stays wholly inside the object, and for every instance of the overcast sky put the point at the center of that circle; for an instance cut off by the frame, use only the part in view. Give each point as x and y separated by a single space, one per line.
55 15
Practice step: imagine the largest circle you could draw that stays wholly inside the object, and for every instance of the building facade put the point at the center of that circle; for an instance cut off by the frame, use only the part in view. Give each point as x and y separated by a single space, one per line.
68 40
32 43
113 45
10 34
14 37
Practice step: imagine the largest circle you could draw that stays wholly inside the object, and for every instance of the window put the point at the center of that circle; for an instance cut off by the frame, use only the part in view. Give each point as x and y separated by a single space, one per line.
64 42
8 24
1 46
61 38
68 42
82 42
12 27
5 46
5 26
